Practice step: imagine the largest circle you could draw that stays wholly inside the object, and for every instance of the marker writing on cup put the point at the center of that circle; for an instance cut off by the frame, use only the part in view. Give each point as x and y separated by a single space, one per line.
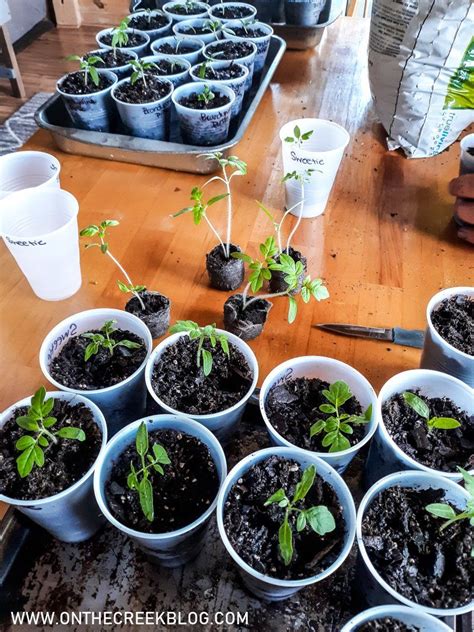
35 242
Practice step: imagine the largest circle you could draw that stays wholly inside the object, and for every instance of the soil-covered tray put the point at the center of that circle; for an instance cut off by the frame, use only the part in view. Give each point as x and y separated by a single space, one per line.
103 369
73 83
66 461
442 450
252 527
134 39
112 59
453 319
182 493
404 543
293 407
141 92
181 384
148 23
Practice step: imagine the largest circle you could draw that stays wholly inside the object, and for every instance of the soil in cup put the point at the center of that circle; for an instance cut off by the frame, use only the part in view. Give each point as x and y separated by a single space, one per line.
232 13
233 71
439 449
387 624
178 49
181 384
193 102
404 543
195 30
189 8
73 83
103 369
228 50
252 33
148 23
166 67
453 319
112 60
139 92
134 39
66 461
183 493
252 528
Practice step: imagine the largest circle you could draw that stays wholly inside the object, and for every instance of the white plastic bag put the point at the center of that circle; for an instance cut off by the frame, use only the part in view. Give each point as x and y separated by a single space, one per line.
421 71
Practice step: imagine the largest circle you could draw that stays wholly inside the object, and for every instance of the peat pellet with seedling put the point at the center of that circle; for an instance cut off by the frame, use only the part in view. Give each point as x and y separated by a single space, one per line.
431 430
453 319
248 323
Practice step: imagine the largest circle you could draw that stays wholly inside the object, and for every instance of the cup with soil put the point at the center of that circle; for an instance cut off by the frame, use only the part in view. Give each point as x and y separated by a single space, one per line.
178 385
156 314
175 70
113 381
228 73
191 468
58 495
118 62
404 439
138 42
144 106
405 556
204 112
190 49
89 106
250 529
240 52
154 23
258 32
291 399
246 323
449 339
201 29
228 11
182 10
394 619
303 12
277 282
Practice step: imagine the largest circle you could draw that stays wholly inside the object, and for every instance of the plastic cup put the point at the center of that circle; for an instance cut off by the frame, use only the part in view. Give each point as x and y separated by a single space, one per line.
237 85
195 44
409 616
28 169
39 227
180 30
322 153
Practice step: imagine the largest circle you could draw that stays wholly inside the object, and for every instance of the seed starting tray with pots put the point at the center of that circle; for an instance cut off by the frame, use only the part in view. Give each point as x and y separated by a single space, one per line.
175 155
107 573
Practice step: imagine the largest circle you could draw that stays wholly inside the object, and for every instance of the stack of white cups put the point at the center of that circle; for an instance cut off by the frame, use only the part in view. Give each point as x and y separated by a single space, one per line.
38 223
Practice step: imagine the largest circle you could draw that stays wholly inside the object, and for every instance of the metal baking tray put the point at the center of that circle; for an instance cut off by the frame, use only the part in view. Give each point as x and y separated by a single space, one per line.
175 155
303 37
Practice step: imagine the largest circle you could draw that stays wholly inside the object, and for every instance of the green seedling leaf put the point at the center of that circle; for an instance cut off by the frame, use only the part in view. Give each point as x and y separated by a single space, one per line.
285 540
321 520
417 404
68 432
441 510
305 484
277 497
444 423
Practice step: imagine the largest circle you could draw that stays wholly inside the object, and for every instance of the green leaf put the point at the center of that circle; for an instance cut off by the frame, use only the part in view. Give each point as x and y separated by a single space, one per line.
89 231
416 404
123 287
263 208
441 510
157 467
307 135
338 394
141 440
346 428
160 454
242 256
47 407
339 444
292 309
38 399
277 497
224 344
301 521
329 438
206 361
145 494
42 441
104 248
327 408
27 423
285 540
320 292
321 519
24 442
468 480
297 132
39 456
94 75
444 423
316 428
303 487
69 432
289 139
90 350
26 460
217 198
128 344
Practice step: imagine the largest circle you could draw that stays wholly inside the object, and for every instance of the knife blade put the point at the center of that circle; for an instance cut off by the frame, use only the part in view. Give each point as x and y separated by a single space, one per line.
396 335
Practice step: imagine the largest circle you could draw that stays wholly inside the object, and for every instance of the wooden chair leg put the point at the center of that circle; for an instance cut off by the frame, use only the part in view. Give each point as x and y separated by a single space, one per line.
9 66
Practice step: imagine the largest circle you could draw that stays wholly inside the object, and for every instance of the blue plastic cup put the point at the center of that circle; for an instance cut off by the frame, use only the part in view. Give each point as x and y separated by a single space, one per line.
238 84
196 45
173 548
409 616
262 43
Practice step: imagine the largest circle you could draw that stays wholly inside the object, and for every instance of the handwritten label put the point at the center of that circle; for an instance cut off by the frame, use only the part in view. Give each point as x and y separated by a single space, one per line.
307 161
60 340
35 242
284 378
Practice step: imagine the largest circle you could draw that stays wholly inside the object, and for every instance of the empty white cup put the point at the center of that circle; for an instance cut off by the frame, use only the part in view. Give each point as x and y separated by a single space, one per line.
39 227
322 152
27 169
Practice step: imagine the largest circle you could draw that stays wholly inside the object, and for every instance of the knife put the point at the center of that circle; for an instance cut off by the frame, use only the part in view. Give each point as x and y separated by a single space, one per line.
404 337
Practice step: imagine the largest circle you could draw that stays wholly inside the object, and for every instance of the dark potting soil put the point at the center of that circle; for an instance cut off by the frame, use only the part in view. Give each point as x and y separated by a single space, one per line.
192 101
470 151
73 83
186 9
233 71
139 92
293 407
103 369
178 49
181 384
142 23
66 461
453 319
439 449
251 33
246 323
166 68
226 49
278 283
252 528
121 58
134 39
404 542
182 494
195 30
154 303
388 624
232 13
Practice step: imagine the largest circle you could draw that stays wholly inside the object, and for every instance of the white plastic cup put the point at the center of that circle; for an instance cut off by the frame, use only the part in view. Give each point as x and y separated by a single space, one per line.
322 152
121 402
39 227
180 77
409 616
238 84
272 588
26 170
262 43
176 17
329 370
467 159
385 456
73 514
438 354
376 590
194 56
224 423
140 49
179 29
214 11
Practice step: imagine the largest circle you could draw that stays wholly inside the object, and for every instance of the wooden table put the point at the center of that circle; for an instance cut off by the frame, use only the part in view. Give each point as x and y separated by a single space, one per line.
385 244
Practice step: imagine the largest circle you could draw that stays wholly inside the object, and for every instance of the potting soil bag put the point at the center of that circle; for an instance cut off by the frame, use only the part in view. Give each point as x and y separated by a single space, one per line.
421 72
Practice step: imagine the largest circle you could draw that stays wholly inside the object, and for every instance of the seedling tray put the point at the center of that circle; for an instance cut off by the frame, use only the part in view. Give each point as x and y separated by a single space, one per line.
108 573
175 154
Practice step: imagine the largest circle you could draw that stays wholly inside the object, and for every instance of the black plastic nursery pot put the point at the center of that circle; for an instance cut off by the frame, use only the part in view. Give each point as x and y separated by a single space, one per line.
249 323
278 283
225 273
156 315
303 12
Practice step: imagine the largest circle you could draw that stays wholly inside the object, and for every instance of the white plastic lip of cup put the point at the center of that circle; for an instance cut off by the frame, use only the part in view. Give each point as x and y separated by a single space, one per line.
27 169
39 227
